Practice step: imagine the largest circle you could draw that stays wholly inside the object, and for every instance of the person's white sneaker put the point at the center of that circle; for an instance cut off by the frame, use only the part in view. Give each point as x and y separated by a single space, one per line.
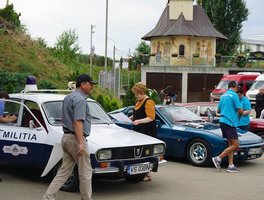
232 169
217 163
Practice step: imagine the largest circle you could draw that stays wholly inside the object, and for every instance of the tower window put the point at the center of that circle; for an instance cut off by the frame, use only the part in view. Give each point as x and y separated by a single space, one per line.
181 50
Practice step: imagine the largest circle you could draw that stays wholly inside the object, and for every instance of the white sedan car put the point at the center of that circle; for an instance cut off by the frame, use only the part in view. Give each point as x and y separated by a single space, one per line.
34 139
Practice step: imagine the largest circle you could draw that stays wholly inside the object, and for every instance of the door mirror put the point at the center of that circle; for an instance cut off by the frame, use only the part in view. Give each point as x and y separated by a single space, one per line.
210 115
158 123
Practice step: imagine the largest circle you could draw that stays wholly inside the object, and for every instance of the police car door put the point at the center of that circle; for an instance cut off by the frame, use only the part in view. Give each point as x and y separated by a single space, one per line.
23 141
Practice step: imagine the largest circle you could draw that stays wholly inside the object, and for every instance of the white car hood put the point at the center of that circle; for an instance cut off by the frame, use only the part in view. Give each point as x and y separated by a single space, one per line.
111 135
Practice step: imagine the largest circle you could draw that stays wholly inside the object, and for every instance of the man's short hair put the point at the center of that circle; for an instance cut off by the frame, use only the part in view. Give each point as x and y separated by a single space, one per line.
232 84
240 90
4 94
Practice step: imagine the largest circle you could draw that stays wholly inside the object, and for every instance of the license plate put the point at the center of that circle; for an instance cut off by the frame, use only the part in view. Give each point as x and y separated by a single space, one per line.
254 151
139 169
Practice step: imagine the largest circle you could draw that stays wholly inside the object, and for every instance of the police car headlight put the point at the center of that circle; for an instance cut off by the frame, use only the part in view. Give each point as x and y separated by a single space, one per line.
104 154
158 149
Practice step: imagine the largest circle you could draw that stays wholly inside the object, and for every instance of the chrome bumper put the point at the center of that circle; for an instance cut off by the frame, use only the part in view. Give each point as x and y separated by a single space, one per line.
121 169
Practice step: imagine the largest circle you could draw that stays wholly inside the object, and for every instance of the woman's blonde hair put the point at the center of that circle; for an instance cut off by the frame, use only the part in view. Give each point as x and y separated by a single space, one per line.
139 88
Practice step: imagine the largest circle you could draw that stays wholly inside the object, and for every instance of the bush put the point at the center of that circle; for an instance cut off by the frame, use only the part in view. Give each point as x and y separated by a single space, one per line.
129 99
153 94
241 60
108 103
12 82
46 85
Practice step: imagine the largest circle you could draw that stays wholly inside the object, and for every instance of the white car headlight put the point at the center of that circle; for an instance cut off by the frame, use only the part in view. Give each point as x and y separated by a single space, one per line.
158 149
104 154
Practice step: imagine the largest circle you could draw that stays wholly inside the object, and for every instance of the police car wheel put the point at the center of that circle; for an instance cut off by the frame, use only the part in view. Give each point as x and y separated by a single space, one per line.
72 182
135 178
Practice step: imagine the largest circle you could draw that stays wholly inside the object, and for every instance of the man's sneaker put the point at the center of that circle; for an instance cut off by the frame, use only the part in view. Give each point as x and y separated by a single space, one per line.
217 163
232 169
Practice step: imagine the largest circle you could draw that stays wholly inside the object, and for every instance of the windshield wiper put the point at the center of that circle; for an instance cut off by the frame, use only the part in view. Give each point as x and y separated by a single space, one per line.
199 120
94 117
183 121
101 120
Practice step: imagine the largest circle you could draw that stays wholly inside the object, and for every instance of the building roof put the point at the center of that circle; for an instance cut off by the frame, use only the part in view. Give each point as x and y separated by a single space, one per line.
252 41
200 26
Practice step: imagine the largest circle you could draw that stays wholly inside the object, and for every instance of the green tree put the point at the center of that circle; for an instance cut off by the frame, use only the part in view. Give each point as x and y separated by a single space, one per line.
227 17
141 54
10 15
67 47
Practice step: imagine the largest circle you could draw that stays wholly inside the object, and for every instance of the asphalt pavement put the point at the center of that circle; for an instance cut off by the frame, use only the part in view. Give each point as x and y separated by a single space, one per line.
176 180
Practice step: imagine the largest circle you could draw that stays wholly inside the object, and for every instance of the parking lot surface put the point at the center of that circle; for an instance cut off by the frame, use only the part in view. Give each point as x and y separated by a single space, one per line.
175 180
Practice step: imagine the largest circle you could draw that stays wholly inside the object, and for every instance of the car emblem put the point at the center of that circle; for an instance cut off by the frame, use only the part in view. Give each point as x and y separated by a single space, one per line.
137 152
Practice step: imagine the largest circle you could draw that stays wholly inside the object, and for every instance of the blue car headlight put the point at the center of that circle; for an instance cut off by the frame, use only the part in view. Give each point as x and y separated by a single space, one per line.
158 149
104 154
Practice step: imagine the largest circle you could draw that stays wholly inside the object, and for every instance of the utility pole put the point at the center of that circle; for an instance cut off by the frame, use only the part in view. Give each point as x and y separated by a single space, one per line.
119 79
91 49
7 2
106 32
114 70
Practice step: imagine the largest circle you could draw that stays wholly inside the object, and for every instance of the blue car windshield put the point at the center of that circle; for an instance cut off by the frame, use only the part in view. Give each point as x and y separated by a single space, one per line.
175 114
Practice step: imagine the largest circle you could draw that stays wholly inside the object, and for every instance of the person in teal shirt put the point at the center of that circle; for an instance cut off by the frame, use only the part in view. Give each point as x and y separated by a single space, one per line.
229 108
244 120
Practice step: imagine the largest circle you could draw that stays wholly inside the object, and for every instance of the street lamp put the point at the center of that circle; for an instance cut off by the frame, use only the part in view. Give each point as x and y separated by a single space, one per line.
92 49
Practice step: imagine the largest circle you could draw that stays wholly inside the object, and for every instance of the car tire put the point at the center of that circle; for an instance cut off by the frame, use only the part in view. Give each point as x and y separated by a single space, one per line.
135 178
72 182
199 153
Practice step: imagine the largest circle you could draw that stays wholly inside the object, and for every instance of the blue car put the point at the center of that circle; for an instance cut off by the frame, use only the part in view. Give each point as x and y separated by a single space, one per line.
188 136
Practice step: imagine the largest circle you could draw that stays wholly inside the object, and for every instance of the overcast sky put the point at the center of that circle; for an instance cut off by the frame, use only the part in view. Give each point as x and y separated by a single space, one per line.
128 21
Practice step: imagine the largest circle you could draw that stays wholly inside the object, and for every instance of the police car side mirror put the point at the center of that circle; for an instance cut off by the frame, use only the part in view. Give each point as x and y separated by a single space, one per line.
31 124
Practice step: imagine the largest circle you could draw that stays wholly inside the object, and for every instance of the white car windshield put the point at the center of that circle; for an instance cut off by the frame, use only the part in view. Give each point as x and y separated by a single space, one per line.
53 112
176 114
222 84
257 85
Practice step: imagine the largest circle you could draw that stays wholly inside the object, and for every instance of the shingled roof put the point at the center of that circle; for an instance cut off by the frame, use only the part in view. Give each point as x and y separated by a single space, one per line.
201 26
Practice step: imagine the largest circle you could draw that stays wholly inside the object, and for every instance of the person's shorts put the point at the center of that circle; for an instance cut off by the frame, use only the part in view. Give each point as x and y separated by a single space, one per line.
228 132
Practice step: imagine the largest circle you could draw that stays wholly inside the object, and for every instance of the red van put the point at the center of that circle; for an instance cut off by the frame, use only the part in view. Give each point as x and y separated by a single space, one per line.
244 79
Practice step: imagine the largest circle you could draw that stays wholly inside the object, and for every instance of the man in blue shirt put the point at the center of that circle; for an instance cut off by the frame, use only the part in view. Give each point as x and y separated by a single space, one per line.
244 120
229 108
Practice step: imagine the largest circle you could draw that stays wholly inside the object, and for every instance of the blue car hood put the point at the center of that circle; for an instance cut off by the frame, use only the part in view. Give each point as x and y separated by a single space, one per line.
245 137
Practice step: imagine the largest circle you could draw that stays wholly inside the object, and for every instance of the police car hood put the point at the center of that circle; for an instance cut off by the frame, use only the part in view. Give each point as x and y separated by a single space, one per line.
111 135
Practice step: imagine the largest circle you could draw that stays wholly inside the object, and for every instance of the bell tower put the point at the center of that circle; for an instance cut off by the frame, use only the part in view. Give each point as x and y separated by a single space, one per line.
176 7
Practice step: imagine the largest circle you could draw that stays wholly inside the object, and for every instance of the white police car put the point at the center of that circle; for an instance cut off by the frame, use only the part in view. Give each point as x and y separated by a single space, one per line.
34 139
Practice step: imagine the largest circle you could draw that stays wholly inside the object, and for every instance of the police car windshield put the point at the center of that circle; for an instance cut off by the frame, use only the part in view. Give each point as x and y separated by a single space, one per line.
53 112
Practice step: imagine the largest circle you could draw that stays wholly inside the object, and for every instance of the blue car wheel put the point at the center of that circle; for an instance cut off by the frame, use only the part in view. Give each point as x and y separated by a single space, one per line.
199 152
